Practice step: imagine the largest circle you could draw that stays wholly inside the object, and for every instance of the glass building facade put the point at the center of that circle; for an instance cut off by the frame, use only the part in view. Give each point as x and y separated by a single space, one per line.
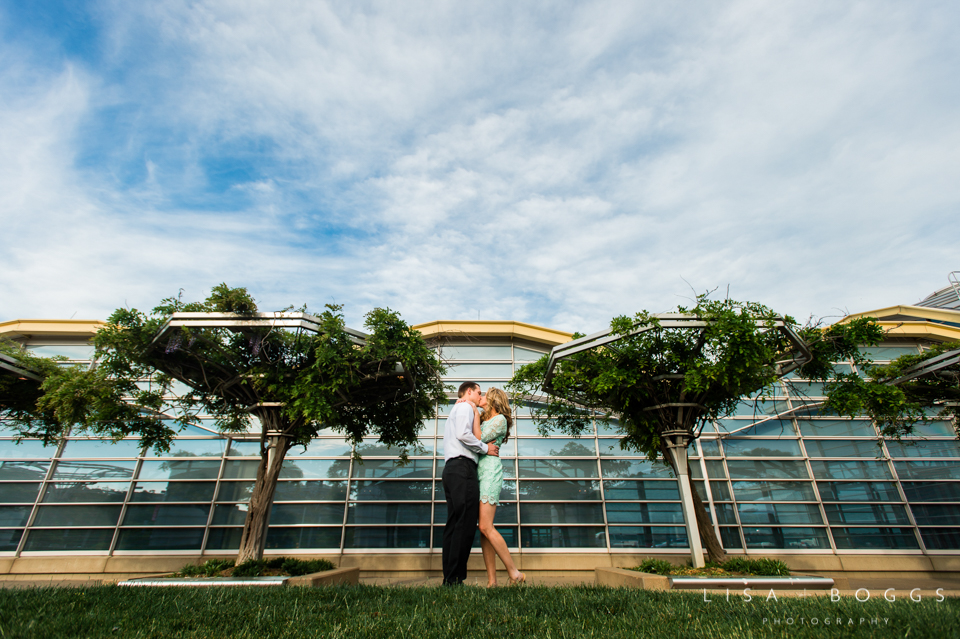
776 476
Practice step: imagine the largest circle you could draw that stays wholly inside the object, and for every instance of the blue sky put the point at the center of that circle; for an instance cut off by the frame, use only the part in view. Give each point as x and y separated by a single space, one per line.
554 163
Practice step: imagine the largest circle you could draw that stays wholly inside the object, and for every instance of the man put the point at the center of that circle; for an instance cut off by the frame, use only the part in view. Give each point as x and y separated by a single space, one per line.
461 451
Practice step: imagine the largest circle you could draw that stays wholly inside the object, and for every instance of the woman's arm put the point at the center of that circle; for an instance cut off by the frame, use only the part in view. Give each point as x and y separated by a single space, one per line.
476 423
496 426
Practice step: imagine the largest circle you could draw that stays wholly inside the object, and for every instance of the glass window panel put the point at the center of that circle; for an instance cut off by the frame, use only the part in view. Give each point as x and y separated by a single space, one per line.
878 353
234 514
237 491
160 539
934 429
315 468
9 540
225 538
296 514
19 492
805 389
561 513
928 469
506 513
859 514
391 490
721 490
693 467
537 468
850 470
383 468
648 537
836 428
701 488
479 371
641 490
941 538
936 514
761 448
725 514
843 448
768 428
167 515
639 468
611 448
869 538
508 492
75 492
563 537
730 538
77 516
310 491
858 491
931 491
773 491
70 351
26 449
94 470
323 448
14 516
559 490
716 470
303 538
233 469
557 447
160 491
97 448
526 355
767 469
244 448
375 449
387 537
387 513
448 352
75 539
524 427
191 448
924 448
610 428
759 513
786 537
711 447
656 513
180 469
761 408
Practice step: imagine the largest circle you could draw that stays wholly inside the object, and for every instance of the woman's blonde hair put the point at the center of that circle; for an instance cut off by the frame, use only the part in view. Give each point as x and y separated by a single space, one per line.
498 401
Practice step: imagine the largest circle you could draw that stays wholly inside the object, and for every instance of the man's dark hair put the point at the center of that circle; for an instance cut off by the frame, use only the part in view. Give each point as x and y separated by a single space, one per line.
464 387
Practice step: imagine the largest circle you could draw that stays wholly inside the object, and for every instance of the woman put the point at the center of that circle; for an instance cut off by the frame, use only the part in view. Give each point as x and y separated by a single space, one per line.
494 428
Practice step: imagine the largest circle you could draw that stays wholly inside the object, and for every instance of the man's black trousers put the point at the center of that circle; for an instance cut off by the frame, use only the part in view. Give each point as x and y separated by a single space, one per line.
462 491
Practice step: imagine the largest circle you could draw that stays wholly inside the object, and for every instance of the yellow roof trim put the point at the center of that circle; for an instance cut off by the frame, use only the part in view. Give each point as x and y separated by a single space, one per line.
920 328
925 312
50 328
484 328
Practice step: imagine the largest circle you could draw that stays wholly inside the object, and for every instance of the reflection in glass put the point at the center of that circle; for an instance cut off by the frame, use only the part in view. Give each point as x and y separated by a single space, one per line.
563 537
160 491
773 491
167 515
303 538
480 371
390 490
230 514
160 539
761 448
387 513
924 448
537 468
180 469
298 514
575 513
238 491
77 516
641 490
767 468
9 540
760 513
557 447
449 351
931 491
19 493
656 513
836 428
858 491
315 468
639 468
786 537
97 448
69 539
14 516
559 490
768 428
384 468
843 448
611 448
93 470
191 448
648 537
850 470
387 537
310 491
246 469
26 449
227 538
711 447
941 538
244 448
866 514
867 538
725 514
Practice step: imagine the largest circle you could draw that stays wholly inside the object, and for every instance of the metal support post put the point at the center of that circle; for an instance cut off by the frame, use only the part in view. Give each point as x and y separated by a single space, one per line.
677 442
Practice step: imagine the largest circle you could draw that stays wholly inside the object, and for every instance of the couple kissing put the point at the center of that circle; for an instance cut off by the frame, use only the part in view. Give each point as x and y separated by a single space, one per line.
472 477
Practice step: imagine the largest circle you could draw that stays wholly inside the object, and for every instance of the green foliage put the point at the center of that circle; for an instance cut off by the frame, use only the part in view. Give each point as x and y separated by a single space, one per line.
209 568
655 566
707 368
370 612
314 378
286 565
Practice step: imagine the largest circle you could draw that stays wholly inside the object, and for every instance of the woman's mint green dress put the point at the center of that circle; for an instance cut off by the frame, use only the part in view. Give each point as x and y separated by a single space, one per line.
489 468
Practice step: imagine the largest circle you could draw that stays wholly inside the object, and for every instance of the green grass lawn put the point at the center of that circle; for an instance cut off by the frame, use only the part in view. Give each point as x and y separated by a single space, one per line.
425 613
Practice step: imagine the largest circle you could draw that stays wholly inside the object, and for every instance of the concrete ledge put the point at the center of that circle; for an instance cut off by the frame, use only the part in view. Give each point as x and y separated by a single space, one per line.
622 578
338 576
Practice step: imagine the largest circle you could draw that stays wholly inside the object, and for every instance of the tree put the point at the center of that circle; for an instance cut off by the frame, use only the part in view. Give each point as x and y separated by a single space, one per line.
292 372
897 396
664 377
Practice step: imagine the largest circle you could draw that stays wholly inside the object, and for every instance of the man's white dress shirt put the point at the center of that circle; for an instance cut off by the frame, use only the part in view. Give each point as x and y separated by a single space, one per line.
458 437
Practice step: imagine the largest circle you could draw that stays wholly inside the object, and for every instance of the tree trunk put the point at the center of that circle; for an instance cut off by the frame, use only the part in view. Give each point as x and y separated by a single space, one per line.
708 536
254 537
